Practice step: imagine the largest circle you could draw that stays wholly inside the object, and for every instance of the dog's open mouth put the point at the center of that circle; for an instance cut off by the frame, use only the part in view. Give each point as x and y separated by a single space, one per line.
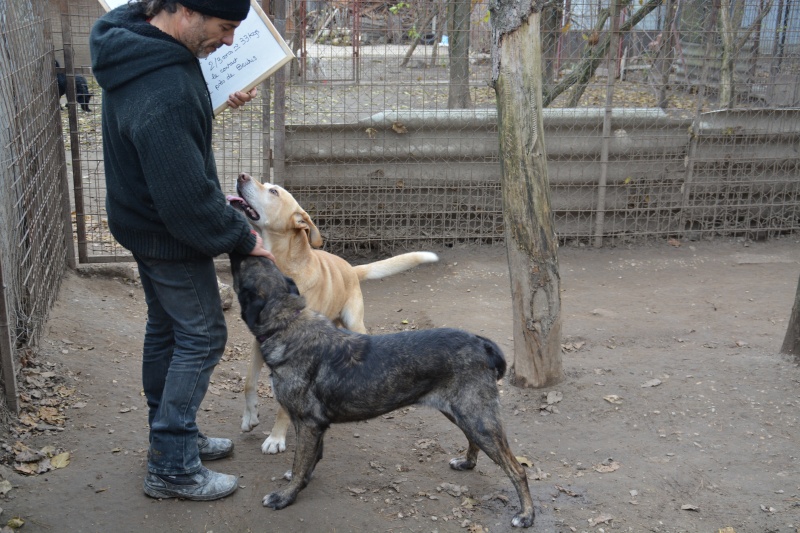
239 203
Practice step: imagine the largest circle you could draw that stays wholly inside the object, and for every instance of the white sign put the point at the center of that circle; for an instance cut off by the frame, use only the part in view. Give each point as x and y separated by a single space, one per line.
257 52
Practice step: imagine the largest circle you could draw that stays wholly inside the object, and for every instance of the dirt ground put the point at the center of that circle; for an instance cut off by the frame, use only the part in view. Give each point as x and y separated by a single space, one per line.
676 412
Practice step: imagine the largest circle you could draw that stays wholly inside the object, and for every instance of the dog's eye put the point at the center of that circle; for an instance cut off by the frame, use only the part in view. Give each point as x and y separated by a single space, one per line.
274 191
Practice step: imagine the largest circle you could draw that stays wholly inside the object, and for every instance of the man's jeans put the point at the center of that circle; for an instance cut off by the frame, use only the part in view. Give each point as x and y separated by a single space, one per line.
184 340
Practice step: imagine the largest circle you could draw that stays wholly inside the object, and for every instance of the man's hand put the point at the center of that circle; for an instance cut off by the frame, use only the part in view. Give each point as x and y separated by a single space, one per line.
259 249
240 98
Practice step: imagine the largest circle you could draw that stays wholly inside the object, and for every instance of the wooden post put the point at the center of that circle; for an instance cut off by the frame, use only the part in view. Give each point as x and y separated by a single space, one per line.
74 138
279 161
611 63
529 225
266 141
7 350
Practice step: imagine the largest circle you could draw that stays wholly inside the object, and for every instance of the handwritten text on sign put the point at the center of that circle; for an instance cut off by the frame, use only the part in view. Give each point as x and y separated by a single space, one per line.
256 53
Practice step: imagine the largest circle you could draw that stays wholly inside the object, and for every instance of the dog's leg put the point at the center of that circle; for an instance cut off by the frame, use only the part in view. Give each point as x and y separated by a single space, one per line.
250 416
276 442
308 452
353 313
467 462
484 430
501 453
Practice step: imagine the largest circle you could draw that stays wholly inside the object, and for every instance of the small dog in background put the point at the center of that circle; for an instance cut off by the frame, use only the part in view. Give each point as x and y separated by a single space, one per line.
314 70
82 94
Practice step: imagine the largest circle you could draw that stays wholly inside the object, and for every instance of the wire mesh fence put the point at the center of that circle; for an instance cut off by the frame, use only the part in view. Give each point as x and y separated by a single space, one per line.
679 123
34 205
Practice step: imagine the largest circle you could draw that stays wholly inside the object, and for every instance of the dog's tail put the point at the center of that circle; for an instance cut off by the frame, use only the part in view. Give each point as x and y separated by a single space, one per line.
393 265
497 360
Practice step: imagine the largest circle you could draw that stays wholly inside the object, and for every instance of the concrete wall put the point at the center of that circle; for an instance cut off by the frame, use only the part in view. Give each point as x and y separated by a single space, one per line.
424 166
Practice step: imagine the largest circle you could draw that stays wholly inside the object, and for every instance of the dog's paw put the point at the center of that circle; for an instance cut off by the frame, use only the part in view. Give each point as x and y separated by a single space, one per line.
460 463
278 499
271 446
249 421
522 520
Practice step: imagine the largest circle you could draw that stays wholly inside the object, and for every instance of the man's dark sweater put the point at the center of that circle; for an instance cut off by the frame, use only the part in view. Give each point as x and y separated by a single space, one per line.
163 199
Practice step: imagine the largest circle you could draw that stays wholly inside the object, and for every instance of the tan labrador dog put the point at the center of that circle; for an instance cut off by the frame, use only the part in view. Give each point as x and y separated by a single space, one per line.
330 285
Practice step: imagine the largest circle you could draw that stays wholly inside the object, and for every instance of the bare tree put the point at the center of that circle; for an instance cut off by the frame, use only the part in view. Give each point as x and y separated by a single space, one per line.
595 52
664 43
732 43
529 225
552 15
458 12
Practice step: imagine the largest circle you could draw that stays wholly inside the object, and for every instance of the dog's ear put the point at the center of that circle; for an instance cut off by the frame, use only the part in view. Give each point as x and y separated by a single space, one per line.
251 310
292 286
236 263
304 222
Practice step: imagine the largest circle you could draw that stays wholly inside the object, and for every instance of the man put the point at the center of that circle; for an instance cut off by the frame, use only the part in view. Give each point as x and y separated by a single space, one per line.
166 206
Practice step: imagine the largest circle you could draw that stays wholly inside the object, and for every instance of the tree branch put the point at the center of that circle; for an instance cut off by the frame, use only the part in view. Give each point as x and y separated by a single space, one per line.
584 71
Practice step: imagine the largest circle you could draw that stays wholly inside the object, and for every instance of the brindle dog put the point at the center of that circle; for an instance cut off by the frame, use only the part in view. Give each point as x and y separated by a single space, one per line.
322 375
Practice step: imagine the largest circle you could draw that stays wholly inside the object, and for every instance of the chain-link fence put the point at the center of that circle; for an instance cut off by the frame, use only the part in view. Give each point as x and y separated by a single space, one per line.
386 132
34 206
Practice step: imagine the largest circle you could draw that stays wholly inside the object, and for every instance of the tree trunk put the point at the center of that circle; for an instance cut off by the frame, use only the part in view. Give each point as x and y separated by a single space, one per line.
458 14
552 14
663 63
529 226
791 343
726 69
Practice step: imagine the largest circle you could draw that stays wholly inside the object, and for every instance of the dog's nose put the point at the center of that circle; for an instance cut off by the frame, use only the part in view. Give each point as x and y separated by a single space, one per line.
244 177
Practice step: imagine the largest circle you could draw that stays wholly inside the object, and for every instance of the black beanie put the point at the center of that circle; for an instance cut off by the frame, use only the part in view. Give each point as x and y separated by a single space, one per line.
224 9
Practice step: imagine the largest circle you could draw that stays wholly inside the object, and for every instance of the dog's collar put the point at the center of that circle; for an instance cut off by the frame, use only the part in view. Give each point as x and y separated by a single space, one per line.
262 338
265 336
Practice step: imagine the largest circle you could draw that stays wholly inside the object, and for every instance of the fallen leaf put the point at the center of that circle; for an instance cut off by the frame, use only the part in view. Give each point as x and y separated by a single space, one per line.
28 456
554 397
356 491
674 242
567 491
613 398
689 507
398 127
469 503
524 461
602 519
605 468
5 487
726 530
15 523
60 461
29 469
453 490
371 132
500 497
651 383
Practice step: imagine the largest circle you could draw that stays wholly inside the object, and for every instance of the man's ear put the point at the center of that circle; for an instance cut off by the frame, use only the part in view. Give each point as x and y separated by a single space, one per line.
303 221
